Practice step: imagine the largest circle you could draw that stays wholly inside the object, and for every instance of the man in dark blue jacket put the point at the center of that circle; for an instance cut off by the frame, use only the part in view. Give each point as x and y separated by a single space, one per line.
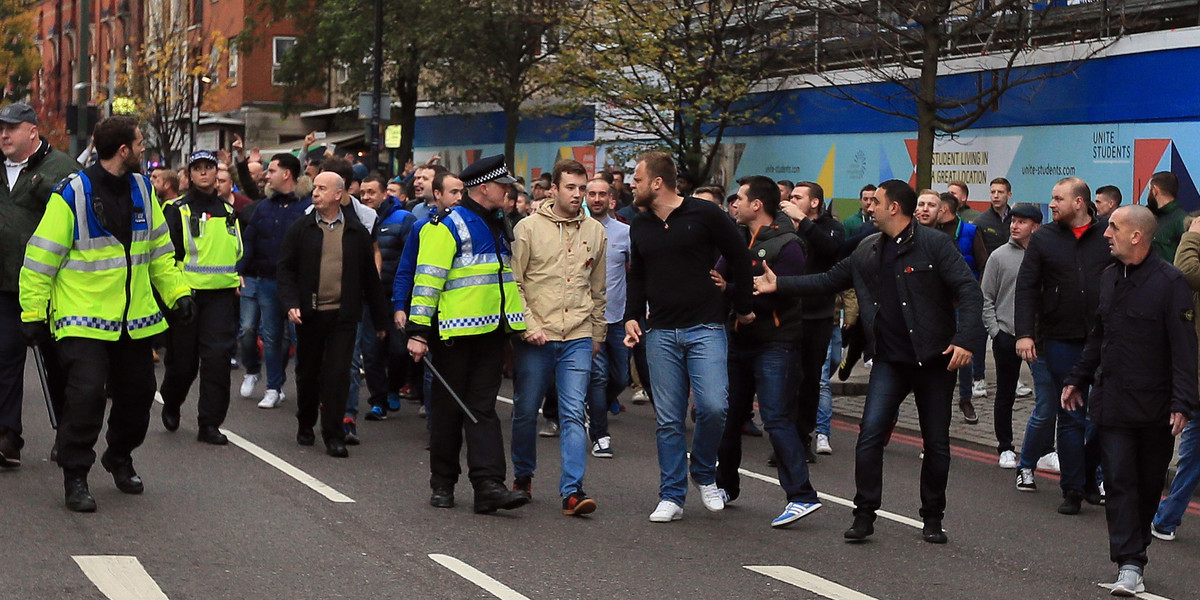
262 238
1140 359
921 309
391 358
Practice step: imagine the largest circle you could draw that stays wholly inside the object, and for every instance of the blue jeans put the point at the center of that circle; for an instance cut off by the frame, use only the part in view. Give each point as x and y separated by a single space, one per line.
678 358
765 369
1187 475
610 376
1054 363
570 363
367 359
248 326
932 387
833 358
273 320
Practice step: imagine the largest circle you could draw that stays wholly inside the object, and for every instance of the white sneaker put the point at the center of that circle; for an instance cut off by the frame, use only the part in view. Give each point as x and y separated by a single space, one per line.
271 399
868 363
1023 391
1048 463
823 446
602 448
710 496
1008 459
979 389
248 383
640 397
666 512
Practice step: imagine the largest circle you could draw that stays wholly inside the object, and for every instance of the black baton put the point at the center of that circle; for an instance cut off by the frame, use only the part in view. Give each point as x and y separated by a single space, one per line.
41 368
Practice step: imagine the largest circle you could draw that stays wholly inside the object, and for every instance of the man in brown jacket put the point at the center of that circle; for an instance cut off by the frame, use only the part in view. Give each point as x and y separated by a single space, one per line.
558 264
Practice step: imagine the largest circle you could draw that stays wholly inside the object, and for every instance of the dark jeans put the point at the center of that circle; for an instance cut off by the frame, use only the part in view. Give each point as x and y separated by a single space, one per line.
1135 470
323 347
369 355
1008 370
609 377
765 369
472 365
203 346
1054 363
968 375
126 369
933 387
812 348
12 369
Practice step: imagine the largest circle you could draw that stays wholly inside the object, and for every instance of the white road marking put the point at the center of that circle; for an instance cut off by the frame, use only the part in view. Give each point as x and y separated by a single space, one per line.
1146 595
810 582
477 577
287 468
504 400
836 500
120 577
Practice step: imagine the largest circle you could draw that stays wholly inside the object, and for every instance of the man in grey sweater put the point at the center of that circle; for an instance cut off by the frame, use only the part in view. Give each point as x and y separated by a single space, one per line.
999 285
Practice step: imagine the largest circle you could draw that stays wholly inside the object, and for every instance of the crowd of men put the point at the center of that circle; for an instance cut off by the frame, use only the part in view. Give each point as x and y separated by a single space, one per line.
435 284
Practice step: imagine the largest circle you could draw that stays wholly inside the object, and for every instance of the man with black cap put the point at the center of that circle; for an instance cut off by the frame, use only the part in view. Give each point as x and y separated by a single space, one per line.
88 274
31 169
208 245
463 279
999 285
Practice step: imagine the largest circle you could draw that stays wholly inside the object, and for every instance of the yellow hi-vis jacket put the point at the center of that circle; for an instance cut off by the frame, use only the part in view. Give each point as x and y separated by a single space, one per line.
95 287
210 258
463 277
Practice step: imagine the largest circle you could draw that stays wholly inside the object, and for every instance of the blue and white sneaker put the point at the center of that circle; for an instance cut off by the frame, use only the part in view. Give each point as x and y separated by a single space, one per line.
377 413
393 401
794 511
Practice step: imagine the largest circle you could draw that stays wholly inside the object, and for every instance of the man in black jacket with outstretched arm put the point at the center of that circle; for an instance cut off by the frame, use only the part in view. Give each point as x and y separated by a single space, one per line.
910 280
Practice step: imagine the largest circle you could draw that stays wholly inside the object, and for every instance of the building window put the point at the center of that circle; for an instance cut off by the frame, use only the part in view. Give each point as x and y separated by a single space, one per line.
280 46
214 64
198 12
233 65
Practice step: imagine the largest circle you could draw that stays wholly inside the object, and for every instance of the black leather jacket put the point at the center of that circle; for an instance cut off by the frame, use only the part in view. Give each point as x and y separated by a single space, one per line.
940 299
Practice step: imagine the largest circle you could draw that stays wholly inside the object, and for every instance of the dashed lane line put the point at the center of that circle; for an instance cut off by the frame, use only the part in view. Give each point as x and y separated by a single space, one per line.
807 581
287 468
477 577
120 577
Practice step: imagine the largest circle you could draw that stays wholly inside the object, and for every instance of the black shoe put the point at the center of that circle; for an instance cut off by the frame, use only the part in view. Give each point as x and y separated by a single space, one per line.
578 504
124 476
306 437
54 452
968 411
170 417
209 434
810 455
78 498
862 528
442 497
932 532
10 454
491 496
771 462
1072 503
523 484
336 448
844 369
750 429
1093 495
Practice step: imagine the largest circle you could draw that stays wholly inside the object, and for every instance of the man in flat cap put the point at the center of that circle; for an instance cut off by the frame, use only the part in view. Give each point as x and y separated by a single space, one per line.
31 169
465 304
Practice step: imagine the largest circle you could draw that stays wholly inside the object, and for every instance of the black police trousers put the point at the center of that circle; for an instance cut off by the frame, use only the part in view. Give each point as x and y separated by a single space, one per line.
203 346
472 365
126 369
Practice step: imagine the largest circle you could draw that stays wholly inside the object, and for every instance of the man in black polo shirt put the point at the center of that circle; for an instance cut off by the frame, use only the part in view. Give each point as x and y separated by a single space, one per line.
674 243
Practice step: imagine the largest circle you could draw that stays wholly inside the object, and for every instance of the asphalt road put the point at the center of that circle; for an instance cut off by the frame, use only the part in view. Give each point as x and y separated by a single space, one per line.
225 523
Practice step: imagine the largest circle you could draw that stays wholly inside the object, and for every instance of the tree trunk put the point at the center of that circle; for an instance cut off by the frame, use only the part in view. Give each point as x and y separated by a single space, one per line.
512 120
927 108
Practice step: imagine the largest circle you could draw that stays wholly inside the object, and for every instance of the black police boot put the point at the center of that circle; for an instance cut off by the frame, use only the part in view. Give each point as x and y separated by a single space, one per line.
442 497
491 496
932 532
124 476
78 498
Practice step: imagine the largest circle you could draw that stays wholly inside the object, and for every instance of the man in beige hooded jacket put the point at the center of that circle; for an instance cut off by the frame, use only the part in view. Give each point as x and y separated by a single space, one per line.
558 264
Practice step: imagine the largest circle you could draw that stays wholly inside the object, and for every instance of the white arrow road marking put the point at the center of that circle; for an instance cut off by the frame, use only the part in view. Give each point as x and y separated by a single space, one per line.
120 577
477 577
810 582
287 468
